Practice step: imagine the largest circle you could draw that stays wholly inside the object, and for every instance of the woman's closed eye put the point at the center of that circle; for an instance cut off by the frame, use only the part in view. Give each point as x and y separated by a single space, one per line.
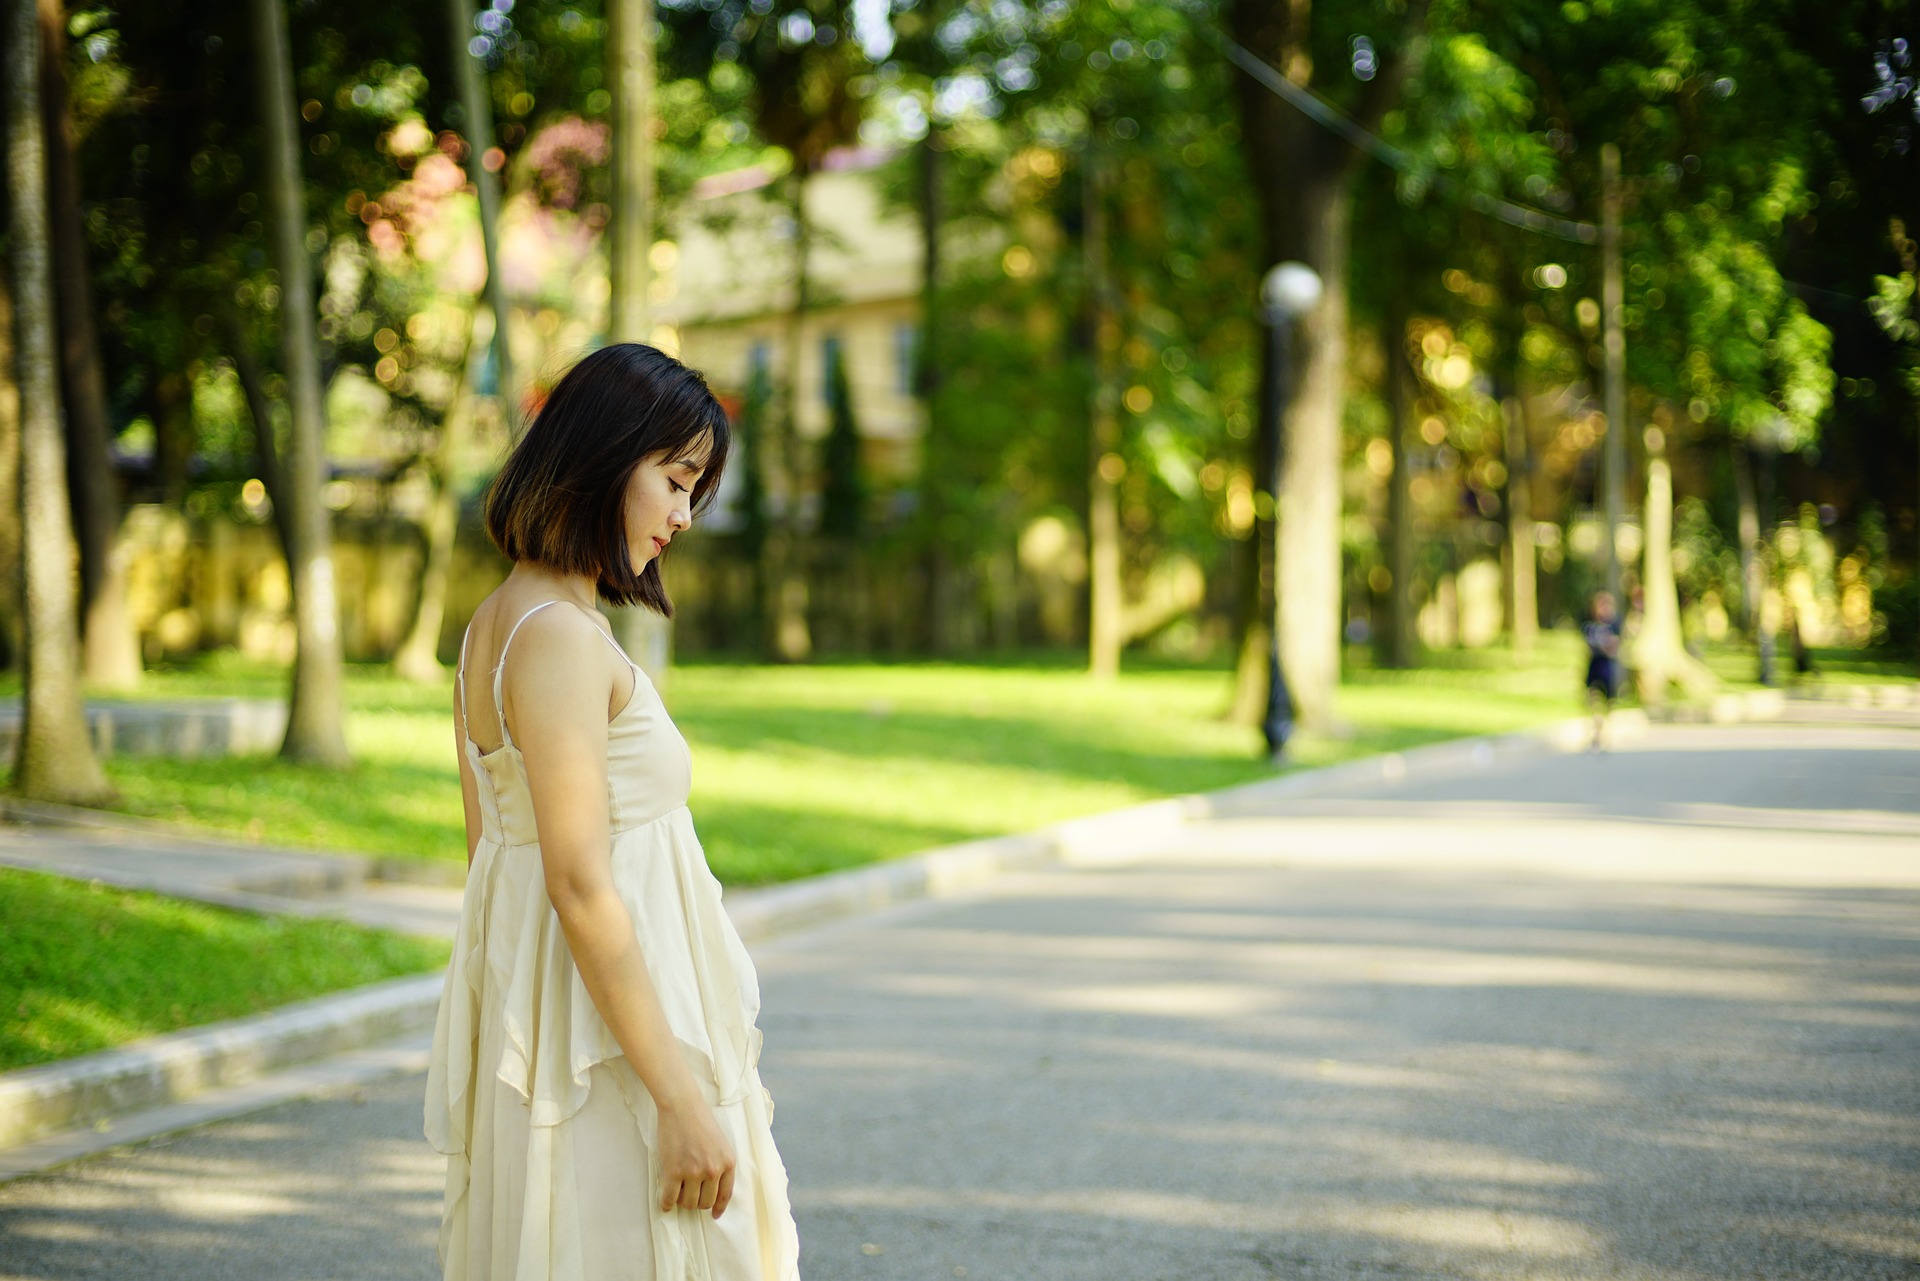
678 488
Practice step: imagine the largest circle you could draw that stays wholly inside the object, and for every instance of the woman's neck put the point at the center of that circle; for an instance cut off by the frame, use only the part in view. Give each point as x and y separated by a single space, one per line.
578 588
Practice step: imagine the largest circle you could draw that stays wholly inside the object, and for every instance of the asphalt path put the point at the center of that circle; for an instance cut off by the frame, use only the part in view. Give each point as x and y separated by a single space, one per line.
1652 1014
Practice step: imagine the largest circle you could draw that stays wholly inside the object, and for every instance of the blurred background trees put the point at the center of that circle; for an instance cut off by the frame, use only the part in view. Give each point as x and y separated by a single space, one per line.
978 279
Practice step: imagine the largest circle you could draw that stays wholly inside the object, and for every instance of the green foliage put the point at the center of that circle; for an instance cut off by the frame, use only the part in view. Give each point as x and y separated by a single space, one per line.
843 494
86 967
1703 559
750 425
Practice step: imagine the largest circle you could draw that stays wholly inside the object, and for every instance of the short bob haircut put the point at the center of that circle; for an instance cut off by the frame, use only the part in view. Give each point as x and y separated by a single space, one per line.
558 500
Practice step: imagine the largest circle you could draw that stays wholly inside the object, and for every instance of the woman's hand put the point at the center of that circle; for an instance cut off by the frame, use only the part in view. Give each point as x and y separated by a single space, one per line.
696 1160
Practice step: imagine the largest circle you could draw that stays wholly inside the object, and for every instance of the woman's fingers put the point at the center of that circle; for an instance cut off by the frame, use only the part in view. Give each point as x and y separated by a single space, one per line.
699 1194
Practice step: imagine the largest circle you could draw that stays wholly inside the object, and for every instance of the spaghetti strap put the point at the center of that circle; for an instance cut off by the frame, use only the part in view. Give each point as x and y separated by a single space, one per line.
460 678
617 648
500 670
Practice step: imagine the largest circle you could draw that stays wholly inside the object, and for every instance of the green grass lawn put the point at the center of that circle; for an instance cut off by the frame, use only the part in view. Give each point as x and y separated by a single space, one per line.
85 967
804 769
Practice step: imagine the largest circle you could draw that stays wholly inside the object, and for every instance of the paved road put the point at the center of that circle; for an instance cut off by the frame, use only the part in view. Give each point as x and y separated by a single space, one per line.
1653 1014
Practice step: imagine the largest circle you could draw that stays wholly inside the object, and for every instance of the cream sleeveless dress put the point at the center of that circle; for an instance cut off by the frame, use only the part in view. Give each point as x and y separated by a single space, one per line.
548 1132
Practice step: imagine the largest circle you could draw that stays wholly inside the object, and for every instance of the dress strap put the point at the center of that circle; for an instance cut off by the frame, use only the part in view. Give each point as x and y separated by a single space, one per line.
500 670
617 648
460 675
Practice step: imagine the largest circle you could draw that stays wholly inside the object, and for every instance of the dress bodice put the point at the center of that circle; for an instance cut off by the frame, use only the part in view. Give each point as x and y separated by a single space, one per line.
649 769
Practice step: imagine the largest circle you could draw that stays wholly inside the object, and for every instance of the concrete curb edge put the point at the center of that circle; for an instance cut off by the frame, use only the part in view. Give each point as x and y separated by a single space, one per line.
39 1101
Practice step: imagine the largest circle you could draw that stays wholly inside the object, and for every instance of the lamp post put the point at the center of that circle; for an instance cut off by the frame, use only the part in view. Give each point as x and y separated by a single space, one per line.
1288 292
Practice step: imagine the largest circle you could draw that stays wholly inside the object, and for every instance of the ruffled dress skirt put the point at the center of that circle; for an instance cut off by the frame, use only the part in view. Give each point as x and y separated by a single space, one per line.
548 1131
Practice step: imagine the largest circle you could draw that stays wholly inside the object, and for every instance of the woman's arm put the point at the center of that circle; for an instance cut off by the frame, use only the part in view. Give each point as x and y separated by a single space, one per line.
558 687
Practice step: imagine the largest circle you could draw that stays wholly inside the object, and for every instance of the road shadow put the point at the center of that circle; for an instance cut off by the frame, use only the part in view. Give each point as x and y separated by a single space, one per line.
337 1189
1232 1072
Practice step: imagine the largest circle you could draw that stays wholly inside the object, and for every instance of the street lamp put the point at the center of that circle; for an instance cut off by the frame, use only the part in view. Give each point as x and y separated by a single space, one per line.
1288 292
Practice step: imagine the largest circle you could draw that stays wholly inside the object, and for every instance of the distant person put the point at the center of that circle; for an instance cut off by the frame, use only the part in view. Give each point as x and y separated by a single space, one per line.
594 1081
1602 634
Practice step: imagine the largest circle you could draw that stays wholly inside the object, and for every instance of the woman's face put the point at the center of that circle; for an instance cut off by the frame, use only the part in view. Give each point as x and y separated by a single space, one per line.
659 504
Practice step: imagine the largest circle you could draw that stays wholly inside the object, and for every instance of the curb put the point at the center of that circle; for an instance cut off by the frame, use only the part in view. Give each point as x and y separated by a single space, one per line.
39 1101
328 871
167 1070
184 728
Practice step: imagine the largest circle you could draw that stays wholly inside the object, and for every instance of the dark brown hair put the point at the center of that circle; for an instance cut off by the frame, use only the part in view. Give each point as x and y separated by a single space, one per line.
558 500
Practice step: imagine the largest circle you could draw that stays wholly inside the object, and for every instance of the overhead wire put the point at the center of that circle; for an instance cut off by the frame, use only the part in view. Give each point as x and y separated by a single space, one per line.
1335 121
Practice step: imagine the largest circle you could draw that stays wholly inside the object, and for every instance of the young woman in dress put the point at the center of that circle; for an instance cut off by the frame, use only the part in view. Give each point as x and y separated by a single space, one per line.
593 1082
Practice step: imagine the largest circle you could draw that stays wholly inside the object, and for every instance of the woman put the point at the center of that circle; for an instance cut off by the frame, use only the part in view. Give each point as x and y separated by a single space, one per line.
593 1081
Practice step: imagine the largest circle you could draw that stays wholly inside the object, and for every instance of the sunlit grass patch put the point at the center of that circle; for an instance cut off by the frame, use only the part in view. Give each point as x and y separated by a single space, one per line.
85 967
805 769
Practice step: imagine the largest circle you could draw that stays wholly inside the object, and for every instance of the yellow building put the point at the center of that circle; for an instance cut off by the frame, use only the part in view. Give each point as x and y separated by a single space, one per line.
724 284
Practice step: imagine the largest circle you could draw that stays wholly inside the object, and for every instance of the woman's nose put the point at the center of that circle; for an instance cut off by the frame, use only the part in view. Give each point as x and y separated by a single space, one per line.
680 518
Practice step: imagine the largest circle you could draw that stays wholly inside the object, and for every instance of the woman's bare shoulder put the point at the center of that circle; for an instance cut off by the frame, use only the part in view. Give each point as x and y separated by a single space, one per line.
559 630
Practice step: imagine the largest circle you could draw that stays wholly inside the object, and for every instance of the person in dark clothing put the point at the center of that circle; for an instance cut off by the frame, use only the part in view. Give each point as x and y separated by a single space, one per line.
1602 633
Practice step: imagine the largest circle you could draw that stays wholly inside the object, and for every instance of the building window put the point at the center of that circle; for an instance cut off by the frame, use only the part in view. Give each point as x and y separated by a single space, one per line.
906 355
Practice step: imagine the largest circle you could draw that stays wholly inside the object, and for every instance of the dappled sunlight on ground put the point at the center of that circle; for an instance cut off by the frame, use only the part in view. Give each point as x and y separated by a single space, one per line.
326 1188
1259 1065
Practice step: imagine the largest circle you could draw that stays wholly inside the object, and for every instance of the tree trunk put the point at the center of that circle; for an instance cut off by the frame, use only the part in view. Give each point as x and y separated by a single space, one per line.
1522 600
1106 610
789 639
418 658
54 760
112 651
647 636
1302 178
926 385
1523 579
1307 584
1400 518
1613 309
10 623
315 731
1660 654
1747 530
253 388
476 108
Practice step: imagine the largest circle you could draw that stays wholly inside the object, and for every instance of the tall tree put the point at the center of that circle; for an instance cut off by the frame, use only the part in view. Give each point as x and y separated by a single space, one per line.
55 758
483 165
924 60
10 556
112 651
631 78
1106 606
805 63
1398 649
843 487
315 726
1303 178
1660 654
418 657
